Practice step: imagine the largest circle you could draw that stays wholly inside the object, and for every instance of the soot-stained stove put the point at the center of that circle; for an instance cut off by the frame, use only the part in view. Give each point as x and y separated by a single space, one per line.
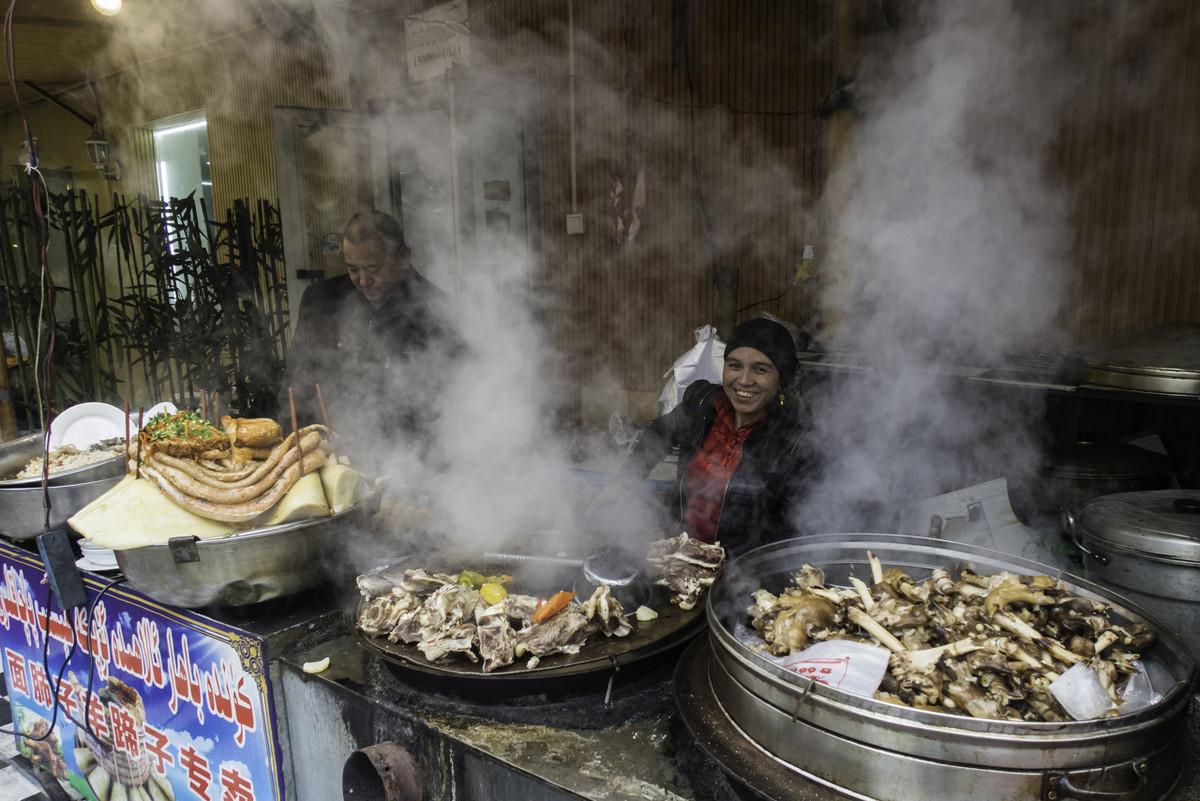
561 744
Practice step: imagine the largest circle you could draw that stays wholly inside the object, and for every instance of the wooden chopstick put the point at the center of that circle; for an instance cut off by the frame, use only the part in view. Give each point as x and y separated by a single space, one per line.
138 464
125 456
292 403
321 401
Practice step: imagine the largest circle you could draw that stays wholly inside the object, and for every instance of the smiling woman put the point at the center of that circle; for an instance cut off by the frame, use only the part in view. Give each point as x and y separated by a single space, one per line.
743 463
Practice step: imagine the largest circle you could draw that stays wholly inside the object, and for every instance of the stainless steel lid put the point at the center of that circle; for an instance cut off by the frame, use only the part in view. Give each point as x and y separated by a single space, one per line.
1164 359
1161 523
1106 460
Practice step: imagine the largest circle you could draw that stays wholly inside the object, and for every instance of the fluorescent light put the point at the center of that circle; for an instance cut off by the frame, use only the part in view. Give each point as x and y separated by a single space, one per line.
107 7
209 183
191 126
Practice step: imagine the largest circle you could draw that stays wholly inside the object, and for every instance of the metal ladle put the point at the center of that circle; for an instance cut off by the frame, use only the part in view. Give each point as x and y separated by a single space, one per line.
622 572
616 567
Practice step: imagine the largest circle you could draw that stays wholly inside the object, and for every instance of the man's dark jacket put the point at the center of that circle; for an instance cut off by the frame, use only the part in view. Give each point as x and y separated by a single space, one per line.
357 351
767 487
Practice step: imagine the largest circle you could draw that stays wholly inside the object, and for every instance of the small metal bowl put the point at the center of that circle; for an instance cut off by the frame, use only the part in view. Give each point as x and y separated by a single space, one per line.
622 571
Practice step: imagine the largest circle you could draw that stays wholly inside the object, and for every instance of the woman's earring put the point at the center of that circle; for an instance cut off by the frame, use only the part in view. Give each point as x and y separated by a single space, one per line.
781 397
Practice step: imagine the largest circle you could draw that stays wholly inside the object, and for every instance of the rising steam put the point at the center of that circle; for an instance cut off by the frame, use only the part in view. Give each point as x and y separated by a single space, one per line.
955 254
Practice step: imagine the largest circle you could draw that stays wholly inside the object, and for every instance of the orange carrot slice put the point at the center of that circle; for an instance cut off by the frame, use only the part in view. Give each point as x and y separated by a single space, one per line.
548 609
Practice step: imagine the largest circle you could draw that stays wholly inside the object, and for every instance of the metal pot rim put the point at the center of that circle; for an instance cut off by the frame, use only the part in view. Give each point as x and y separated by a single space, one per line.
59 487
361 505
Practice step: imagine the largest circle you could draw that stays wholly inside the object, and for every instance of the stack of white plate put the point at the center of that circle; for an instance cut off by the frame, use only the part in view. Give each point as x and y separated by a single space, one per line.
95 558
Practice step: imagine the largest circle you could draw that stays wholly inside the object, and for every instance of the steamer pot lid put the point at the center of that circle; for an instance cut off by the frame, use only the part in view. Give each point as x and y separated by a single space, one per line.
1106 460
1166 357
1163 523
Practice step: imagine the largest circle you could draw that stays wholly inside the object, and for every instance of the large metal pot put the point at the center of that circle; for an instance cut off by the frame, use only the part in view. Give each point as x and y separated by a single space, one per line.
893 753
1148 544
243 568
21 501
1077 473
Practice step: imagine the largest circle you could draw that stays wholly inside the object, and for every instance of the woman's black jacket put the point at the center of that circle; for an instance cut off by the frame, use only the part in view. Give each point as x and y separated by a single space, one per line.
764 494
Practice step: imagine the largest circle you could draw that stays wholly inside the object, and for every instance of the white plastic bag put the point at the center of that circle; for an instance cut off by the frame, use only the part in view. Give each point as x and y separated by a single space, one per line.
1080 692
1139 692
704 362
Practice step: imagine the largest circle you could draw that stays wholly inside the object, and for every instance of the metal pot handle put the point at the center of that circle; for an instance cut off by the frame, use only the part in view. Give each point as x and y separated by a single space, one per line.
1101 558
1188 506
183 549
1057 786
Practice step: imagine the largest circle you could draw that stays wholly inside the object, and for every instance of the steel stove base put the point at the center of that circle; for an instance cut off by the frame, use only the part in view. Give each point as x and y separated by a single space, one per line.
469 750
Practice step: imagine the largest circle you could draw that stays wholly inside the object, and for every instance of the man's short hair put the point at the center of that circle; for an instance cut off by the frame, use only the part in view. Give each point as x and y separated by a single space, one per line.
369 225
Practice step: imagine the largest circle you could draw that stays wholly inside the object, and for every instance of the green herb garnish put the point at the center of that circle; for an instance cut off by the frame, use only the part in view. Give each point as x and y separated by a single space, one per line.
180 425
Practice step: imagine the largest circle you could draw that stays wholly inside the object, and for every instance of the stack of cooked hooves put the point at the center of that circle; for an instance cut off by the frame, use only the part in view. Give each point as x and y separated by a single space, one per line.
108 783
238 487
118 774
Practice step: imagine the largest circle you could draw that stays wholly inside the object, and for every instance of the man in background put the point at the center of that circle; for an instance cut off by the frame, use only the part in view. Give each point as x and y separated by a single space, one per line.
361 335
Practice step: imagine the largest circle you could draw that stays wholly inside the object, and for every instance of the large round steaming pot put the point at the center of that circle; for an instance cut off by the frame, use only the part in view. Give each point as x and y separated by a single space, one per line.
22 513
893 753
1148 544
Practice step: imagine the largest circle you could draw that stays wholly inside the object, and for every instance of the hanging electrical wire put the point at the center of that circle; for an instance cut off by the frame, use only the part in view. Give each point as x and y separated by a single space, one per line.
43 366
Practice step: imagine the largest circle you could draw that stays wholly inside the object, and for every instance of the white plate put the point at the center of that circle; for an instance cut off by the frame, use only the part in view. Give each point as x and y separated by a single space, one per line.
158 408
96 567
85 424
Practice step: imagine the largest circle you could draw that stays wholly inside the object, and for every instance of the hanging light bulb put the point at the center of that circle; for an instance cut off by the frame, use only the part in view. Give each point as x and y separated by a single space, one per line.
107 7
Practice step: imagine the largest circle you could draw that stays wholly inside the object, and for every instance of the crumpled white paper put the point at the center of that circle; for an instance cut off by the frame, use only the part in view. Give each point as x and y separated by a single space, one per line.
855 667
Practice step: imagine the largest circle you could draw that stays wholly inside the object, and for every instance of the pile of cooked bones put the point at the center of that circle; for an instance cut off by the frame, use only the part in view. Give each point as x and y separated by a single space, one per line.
443 616
985 646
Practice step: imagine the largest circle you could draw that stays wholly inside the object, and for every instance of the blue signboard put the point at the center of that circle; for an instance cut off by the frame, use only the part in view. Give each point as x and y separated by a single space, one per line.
154 703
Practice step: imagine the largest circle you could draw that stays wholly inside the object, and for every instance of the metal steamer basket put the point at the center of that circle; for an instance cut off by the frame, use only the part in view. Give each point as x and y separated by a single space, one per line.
22 512
244 568
883 751
1148 544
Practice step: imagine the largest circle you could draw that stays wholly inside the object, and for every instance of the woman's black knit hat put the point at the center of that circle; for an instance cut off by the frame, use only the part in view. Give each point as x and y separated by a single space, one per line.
770 338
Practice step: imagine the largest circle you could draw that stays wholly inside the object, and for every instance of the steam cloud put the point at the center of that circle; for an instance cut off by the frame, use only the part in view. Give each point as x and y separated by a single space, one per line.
954 237
954 240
